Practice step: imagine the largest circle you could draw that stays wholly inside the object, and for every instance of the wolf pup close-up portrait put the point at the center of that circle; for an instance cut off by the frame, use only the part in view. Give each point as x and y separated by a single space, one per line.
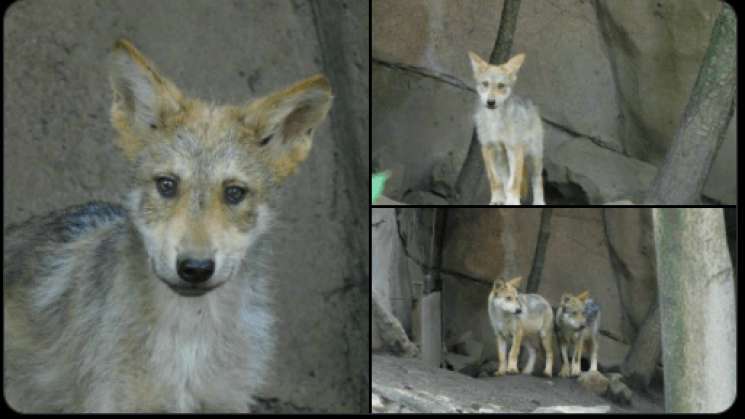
180 299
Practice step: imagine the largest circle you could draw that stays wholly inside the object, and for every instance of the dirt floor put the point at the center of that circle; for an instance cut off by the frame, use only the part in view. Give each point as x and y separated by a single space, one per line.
407 385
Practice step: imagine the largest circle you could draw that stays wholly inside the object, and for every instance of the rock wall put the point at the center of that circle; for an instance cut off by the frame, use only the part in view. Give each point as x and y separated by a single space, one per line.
611 79
483 244
608 252
58 150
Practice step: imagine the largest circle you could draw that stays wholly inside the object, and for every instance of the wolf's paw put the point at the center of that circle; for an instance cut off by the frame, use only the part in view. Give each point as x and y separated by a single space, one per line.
541 202
499 372
512 370
564 373
576 372
547 373
525 371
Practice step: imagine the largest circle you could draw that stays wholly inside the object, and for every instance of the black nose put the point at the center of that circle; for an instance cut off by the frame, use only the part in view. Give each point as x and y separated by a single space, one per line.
491 103
518 311
195 271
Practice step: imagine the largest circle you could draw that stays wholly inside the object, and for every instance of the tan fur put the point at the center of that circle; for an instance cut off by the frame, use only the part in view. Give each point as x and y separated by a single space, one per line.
575 332
515 316
102 314
509 130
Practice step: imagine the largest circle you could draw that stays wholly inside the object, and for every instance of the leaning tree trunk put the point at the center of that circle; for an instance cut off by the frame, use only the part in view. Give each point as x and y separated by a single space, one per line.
471 177
709 110
639 365
697 308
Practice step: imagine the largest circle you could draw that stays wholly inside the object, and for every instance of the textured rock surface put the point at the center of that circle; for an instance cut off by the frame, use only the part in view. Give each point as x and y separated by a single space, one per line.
593 381
483 244
604 175
58 150
617 75
407 385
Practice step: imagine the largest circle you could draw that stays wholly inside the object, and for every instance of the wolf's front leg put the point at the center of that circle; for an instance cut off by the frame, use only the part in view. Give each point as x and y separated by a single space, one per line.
547 341
564 372
489 153
537 184
501 353
577 361
515 351
594 356
515 156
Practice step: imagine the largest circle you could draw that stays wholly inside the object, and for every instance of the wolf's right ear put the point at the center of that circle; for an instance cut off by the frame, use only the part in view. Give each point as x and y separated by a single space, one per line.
144 101
497 284
477 64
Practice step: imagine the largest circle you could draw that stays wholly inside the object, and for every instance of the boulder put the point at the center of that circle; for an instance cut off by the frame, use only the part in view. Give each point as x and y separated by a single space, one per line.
593 381
463 364
604 175
618 391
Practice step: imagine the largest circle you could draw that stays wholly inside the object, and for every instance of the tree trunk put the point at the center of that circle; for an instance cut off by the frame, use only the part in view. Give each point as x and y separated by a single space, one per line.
534 280
709 110
470 182
639 365
697 309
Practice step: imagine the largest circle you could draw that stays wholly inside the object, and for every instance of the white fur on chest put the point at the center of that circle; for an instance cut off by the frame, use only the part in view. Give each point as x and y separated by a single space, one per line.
511 124
210 350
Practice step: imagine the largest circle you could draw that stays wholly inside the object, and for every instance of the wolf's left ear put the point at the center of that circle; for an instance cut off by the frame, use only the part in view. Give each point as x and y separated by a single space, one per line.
514 63
144 101
283 122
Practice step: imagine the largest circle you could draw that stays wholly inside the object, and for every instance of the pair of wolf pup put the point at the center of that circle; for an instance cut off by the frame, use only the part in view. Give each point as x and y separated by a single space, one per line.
520 318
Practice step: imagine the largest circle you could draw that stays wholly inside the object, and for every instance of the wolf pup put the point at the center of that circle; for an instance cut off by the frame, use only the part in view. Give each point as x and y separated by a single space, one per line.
159 306
577 320
515 316
507 123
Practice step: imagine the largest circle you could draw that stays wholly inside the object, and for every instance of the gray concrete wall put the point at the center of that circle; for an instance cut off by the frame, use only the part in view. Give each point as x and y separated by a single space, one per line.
58 149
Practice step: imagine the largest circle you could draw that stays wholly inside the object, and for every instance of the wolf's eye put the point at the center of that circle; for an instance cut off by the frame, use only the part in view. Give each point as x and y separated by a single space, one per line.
166 186
485 83
500 85
234 194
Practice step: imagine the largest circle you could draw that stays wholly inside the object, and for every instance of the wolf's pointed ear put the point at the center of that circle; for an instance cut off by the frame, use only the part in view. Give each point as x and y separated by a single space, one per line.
565 298
498 283
514 63
477 64
283 122
584 295
144 100
515 282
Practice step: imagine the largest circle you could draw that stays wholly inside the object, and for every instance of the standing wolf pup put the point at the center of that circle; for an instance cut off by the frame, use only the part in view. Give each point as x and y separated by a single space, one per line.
159 307
577 320
507 123
515 316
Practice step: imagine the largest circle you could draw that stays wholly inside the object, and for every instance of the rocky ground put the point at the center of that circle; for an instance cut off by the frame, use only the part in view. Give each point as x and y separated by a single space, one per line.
406 385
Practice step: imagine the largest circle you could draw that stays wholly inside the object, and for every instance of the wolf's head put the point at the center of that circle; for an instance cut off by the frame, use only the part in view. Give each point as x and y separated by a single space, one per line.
202 173
505 295
494 83
573 309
